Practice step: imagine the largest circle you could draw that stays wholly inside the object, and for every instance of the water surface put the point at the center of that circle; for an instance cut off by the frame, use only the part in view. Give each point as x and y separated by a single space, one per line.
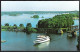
20 41
24 19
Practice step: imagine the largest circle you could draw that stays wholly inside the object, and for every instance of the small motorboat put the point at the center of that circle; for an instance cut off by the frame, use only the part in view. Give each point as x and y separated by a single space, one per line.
42 39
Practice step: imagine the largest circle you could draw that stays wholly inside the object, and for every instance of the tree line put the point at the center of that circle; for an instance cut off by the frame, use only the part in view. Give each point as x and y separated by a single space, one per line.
58 21
21 27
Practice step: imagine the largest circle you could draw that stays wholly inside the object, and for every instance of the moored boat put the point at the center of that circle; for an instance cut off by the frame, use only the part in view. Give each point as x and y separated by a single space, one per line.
42 39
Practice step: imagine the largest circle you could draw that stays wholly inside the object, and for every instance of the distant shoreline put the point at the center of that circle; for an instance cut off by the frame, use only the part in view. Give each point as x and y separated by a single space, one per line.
31 11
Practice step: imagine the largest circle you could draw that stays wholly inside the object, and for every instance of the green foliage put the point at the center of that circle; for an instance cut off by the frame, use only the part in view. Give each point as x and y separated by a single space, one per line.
3 30
13 28
29 28
35 16
42 17
28 25
21 25
75 15
6 24
34 30
21 28
58 21
14 25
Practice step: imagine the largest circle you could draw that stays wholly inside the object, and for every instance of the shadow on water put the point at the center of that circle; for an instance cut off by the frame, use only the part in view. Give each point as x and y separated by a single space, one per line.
27 33
42 45
51 36
36 44
71 38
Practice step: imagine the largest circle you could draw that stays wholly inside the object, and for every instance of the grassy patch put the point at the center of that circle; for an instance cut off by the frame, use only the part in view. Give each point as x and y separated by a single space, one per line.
3 30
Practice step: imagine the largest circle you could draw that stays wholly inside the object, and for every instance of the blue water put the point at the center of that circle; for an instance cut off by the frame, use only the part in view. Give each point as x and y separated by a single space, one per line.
24 19
20 41
76 22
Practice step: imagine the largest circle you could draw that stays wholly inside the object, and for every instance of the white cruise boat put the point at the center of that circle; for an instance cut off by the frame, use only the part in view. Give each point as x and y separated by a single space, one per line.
41 39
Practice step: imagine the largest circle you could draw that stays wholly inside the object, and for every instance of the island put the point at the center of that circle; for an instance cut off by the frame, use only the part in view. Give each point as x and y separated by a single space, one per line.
35 16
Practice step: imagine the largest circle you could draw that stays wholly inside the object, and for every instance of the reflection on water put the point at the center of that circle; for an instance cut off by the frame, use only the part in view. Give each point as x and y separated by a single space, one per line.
61 35
42 45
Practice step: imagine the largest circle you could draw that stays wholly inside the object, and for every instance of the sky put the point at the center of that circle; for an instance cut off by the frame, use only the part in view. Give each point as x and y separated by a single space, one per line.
39 5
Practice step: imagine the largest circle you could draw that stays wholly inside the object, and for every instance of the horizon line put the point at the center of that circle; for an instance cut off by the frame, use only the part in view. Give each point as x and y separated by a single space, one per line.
25 11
